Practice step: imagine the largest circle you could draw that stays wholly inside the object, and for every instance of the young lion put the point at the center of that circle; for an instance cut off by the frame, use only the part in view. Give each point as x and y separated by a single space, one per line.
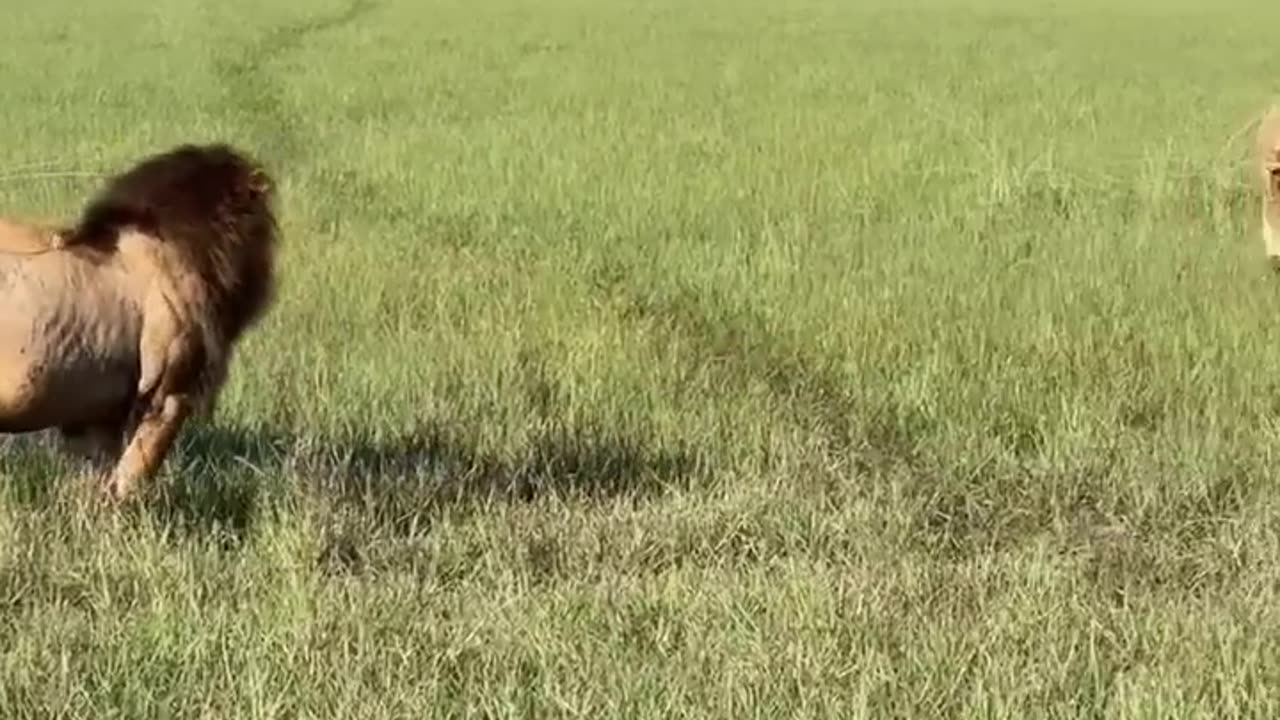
1267 153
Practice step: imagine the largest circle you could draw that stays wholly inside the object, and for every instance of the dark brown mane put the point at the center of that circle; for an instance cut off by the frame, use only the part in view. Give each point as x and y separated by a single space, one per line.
214 205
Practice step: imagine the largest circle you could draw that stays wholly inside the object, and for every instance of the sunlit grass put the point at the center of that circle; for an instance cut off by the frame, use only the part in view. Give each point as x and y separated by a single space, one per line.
663 359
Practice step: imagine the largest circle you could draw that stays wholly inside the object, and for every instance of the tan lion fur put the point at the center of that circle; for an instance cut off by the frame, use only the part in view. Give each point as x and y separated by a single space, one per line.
27 238
1267 158
117 328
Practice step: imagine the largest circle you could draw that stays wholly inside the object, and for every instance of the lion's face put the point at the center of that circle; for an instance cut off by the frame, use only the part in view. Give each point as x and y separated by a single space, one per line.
1268 168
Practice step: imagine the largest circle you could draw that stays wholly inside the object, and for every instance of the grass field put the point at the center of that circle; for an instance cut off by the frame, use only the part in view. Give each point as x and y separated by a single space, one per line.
890 358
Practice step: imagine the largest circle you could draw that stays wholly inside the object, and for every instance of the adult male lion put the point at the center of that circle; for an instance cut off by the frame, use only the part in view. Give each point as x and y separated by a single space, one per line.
116 329
1267 151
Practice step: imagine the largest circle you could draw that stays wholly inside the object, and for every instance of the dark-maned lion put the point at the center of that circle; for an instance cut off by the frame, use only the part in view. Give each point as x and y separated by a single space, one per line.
116 329
1267 153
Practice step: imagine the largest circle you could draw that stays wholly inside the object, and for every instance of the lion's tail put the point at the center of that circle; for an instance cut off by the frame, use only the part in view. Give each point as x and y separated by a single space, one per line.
178 193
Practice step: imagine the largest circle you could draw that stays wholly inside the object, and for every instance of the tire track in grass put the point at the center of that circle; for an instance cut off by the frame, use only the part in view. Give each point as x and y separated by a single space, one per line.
949 508
735 345
253 88
433 464
954 507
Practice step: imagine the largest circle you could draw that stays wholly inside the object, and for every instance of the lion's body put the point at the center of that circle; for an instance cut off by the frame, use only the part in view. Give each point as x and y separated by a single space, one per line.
70 340
116 329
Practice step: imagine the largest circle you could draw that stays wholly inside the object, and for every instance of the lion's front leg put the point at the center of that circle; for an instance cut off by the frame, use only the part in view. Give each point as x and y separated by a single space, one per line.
156 431
172 370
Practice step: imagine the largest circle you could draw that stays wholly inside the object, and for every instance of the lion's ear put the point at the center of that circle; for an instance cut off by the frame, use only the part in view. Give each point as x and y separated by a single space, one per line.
260 182
1272 170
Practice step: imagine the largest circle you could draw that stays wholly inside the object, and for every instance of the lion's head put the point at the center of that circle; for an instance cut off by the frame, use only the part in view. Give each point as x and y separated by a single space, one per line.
211 206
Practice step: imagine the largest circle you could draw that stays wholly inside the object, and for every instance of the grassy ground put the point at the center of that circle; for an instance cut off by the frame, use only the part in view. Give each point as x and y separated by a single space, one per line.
900 358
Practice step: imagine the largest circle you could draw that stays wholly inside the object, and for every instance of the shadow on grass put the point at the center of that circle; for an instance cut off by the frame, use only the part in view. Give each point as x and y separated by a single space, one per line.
220 478
222 475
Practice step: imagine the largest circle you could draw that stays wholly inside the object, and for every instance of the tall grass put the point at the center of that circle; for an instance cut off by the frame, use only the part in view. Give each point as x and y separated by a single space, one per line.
726 359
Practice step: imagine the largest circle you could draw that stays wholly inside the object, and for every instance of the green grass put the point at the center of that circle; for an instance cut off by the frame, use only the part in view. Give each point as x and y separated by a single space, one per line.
892 358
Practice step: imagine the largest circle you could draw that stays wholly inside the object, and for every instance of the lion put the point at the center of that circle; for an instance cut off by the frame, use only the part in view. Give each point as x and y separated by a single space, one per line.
1267 154
116 329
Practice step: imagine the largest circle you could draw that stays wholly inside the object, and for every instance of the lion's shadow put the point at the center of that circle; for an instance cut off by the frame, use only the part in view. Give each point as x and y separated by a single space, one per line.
223 476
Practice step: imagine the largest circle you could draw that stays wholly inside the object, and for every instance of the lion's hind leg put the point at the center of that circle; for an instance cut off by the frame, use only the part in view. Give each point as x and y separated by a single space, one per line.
99 444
